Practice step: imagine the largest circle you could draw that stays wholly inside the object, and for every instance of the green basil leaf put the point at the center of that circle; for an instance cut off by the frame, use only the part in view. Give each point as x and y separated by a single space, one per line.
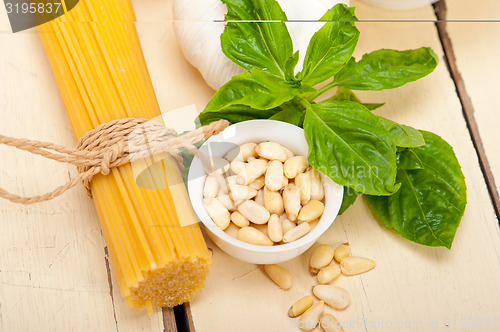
428 207
292 112
372 106
236 113
407 159
257 45
351 146
331 46
346 94
403 136
350 196
387 69
290 65
299 89
256 89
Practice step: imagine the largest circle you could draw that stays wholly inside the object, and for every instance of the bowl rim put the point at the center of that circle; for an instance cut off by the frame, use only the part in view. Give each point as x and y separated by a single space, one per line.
320 228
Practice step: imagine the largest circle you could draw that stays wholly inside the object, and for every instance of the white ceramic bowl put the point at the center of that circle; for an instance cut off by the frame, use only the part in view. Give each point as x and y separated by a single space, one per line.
258 131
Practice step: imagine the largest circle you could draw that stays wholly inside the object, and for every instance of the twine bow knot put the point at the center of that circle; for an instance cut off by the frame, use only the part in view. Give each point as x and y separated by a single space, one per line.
110 145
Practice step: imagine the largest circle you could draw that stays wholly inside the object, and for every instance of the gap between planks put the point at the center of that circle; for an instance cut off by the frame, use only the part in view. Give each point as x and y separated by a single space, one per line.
171 321
178 319
110 284
467 106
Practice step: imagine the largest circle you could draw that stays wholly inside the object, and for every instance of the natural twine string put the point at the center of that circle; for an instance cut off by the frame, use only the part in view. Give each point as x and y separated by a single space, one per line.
109 145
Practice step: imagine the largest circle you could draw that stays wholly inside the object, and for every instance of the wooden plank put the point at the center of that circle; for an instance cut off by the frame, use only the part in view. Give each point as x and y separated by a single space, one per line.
189 317
52 268
54 274
413 287
473 58
169 321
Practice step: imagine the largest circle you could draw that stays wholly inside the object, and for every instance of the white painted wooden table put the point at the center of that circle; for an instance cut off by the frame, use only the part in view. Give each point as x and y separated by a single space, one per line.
54 273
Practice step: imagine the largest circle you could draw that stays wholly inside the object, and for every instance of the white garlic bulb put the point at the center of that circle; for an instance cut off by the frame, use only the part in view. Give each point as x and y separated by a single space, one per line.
199 35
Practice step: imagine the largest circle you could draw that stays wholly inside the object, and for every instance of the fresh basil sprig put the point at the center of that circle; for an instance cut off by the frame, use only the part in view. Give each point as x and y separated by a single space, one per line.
411 178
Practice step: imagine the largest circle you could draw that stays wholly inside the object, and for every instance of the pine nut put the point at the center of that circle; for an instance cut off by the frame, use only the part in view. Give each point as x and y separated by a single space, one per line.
259 198
291 201
329 323
336 297
273 201
342 251
303 182
311 211
285 182
274 228
237 167
232 230
239 220
258 183
320 257
279 275
227 202
239 192
233 179
223 186
254 236
299 307
271 151
313 224
356 265
242 152
217 211
295 166
317 190
211 187
253 170
296 233
328 274
289 154
287 225
310 318
274 175
262 228
254 212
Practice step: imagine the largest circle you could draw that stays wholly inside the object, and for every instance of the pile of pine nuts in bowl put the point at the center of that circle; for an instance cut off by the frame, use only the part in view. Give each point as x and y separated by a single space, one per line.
245 187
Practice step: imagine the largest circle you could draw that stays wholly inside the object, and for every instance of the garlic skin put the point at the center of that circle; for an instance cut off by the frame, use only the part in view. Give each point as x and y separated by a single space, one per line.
199 36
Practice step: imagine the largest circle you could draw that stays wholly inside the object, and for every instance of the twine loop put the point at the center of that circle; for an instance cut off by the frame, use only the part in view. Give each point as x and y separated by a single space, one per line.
110 145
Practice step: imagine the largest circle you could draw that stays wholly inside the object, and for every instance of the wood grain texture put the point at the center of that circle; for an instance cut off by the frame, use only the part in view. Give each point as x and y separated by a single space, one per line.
53 266
45 250
474 64
169 322
413 288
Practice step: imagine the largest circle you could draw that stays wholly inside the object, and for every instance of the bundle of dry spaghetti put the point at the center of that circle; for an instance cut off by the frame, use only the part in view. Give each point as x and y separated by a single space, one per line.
155 244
